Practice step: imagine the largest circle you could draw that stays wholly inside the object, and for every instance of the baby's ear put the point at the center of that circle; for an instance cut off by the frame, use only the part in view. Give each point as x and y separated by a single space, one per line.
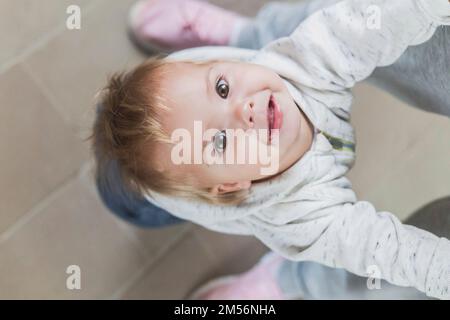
230 187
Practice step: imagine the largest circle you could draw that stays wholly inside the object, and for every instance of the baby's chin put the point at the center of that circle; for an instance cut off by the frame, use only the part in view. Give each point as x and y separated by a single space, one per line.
266 178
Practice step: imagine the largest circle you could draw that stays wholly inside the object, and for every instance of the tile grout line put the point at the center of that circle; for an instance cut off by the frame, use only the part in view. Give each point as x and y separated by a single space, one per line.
29 50
86 177
84 174
385 175
44 90
44 40
19 59
38 208
207 249
37 80
140 245
118 294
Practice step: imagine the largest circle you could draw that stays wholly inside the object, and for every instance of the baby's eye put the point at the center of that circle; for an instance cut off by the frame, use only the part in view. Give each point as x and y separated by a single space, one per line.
220 141
222 88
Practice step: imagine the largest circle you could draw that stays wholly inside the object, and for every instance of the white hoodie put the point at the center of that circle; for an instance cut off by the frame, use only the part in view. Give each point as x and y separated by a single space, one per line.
309 212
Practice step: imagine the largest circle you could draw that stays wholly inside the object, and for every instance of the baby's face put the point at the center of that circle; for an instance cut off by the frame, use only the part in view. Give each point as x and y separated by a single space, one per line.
230 95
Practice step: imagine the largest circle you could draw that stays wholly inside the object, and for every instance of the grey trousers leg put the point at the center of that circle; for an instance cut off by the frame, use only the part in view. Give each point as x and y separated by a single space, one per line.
309 281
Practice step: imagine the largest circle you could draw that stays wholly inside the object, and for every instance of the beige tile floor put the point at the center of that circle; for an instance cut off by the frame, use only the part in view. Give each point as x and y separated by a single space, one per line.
50 214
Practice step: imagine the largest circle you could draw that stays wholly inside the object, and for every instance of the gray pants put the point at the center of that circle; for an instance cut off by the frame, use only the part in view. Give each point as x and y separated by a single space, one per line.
421 77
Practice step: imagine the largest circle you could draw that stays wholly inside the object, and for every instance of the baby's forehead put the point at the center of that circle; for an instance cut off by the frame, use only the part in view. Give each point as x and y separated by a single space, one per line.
174 71
203 63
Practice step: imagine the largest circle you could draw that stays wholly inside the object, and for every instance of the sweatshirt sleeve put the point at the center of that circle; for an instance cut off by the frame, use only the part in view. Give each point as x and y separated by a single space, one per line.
356 237
342 44
404 255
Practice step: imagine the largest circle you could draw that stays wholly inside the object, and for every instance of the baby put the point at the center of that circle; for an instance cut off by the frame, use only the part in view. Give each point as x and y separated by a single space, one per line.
296 90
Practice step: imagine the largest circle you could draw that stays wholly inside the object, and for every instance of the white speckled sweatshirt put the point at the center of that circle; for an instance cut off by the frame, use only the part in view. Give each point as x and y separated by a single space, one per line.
309 212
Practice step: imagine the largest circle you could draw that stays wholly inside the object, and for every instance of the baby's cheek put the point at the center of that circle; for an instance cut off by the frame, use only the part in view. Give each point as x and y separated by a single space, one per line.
246 148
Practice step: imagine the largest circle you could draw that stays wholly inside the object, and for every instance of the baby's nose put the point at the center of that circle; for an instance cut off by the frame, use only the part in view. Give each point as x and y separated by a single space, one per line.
246 114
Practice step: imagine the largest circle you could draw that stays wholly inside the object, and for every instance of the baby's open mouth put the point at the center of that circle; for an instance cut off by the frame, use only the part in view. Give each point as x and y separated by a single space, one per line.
274 117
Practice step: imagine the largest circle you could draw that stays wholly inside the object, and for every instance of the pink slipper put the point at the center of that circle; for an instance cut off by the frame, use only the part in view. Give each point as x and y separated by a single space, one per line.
170 25
258 283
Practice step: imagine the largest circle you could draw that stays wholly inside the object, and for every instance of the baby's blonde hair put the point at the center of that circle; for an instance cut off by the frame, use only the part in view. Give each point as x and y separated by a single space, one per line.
128 127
